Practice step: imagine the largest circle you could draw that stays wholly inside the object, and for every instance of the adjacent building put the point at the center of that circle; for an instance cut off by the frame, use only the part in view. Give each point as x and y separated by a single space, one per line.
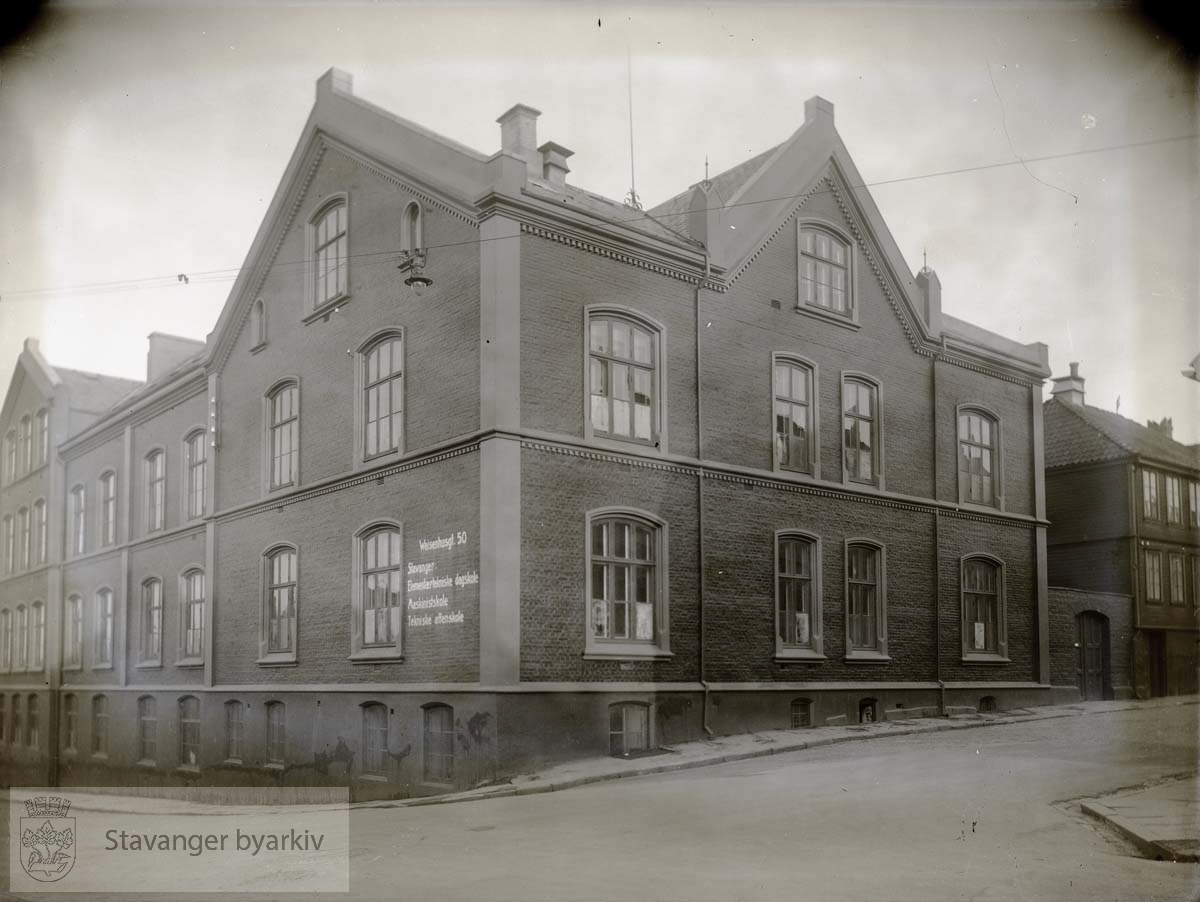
1124 506
480 470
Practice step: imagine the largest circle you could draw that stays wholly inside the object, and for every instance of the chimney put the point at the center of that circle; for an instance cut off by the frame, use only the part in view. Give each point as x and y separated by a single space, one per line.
818 107
167 352
931 297
1069 389
518 136
554 164
1162 427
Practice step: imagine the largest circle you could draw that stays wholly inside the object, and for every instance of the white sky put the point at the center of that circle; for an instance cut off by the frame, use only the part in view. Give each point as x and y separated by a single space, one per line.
139 141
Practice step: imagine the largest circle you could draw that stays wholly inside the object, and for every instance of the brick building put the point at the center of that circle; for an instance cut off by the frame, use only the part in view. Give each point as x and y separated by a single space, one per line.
575 478
1124 506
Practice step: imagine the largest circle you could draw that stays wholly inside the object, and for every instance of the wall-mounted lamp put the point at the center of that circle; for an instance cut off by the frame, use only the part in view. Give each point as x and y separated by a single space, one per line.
413 263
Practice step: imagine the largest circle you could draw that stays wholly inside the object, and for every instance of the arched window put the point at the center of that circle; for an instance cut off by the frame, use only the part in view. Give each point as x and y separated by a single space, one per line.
626 587
155 466
283 425
375 747
978 457
235 727
25 540
624 378
10 455
866 601
380 598
801 713
860 430
628 728
108 508
78 519
18 726
258 324
798 595
6 640
195 456
192 584
147 729
43 428
439 744
276 733
37 636
40 530
21 640
3 718
70 722
825 271
383 395
983 609
328 234
100 725
795 432
151 617
26 444
33 722
189 731
10 545
104 628
73 632
281 585
413 239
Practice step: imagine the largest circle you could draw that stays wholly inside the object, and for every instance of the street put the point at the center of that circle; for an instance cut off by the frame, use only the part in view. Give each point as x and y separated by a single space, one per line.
981 814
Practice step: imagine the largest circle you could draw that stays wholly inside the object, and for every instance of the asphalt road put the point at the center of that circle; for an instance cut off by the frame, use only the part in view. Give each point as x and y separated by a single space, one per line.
984 814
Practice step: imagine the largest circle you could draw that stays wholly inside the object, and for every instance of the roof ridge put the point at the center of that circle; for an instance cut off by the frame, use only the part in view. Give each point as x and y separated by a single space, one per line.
1097 426
71 369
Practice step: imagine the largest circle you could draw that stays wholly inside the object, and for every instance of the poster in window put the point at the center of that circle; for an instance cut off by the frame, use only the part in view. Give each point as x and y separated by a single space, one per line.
980 636
802 637
645 620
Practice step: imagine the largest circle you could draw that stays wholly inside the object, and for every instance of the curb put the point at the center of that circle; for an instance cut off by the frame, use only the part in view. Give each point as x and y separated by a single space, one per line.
910 728
1155 850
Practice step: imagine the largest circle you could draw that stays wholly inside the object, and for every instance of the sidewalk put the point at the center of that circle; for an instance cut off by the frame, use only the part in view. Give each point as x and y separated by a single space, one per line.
753 745
1162 820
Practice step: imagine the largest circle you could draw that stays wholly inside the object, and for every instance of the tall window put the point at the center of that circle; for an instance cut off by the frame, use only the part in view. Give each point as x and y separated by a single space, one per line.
623 378
43 428
382 587
194 456
10 545
73 632
276 733
16 732
235 726
108 508
151 621
375 725
71 722
797 595
1174 499
978 472
100 725
39 531
33 723
794 434
624 580
383 396
1175 579
3 718
1150 494
6 640
1193 503
26 444
825 271
10 455
37 636
25 537
439 743
983 607
21 639
413 240
280 602
1152 565
189 731
865 599
330 254
147 729
193 614
78 519
860 430
156 490
284 419
104 628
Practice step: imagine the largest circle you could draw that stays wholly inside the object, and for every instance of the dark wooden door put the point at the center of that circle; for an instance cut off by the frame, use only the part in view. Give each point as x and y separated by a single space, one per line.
1156 641
1093 655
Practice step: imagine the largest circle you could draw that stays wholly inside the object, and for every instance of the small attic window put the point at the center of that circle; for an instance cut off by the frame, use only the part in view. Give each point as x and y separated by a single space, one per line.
414 239
258 325
824 260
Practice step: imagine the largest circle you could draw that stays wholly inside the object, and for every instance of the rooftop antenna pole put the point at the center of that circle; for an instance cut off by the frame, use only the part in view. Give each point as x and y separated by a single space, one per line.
706 167
631 200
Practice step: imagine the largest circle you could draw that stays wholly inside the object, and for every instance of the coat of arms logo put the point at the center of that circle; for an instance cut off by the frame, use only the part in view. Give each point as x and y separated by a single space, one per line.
47 838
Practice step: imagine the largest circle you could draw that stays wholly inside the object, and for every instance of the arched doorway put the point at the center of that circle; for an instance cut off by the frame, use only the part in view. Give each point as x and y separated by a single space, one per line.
1092 671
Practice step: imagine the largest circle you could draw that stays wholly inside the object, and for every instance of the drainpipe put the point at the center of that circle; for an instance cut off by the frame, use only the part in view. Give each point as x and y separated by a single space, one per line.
700 497
937 550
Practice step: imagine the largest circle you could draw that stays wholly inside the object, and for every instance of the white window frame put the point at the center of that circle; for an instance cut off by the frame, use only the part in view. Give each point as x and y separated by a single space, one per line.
10 544
359 649
657 443
156 489
147 739
659 647
313 305
876 432
25 536
26 444
37 637
814 650
1174 516
362 386
276 746
235 730
108 508
21 640
374 740
997 451
105 623
813 308
412 236
73 633
279 656
1151 500
6 640
100 716
859 654
189 724
813 470
971 655
78 524
40 531
10 456
195 474
190 609
43 440
71 723
293 422
258 325
150 643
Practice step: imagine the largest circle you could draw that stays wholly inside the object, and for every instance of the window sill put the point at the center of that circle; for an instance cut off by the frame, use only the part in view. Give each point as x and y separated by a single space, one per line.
626 444
101 667
148 665
866 657
274 765
67 668
626 652
997 508
258 347
325 310
794 655
985 659
828 316
377 656
277 660
188 663
190 770
373 778
100 756
147 763
381 457
851 482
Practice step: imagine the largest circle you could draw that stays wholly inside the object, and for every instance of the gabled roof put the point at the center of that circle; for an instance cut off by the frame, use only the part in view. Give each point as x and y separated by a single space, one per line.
725 185
1078 434
95 392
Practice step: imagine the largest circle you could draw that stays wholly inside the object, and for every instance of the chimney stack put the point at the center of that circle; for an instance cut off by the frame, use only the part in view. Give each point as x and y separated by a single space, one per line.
518 136
554 164
1069 389
1163 427
167 352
